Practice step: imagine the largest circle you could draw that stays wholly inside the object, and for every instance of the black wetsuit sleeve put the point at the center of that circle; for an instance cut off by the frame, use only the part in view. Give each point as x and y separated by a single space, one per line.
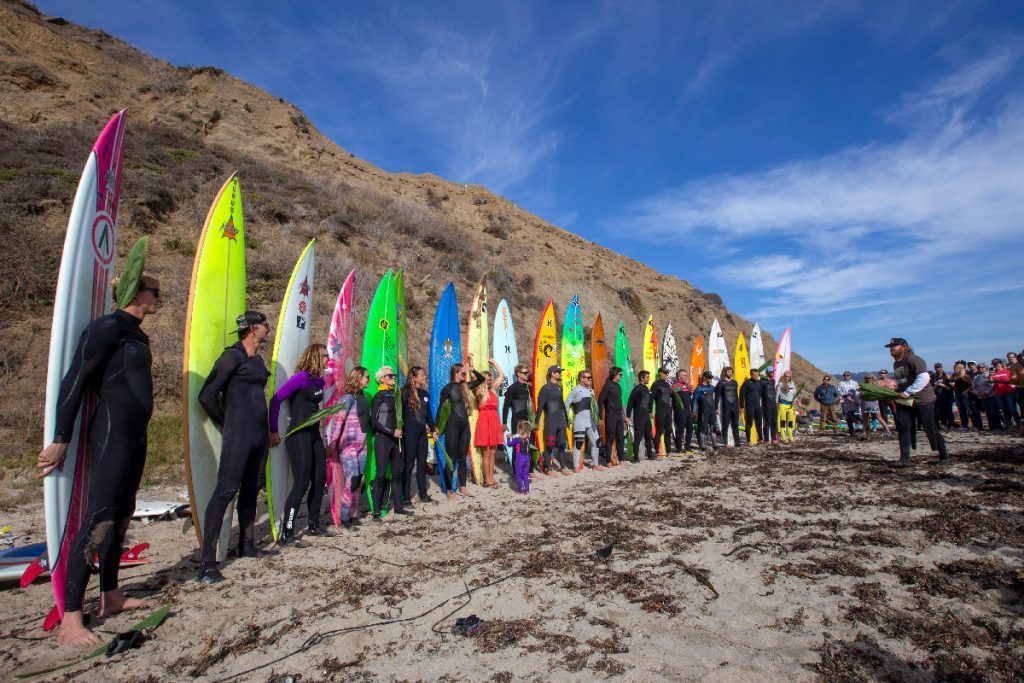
719 392
375 406
477 380
634 399
425 397
506 409
209 395
98 340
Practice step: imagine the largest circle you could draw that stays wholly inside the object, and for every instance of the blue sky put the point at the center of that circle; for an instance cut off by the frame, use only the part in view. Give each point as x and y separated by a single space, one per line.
855 170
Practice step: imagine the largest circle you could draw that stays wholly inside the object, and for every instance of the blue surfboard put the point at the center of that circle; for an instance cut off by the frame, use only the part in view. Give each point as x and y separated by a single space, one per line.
445 351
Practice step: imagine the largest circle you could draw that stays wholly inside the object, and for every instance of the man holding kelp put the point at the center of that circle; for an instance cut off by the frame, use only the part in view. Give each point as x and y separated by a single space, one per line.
914 397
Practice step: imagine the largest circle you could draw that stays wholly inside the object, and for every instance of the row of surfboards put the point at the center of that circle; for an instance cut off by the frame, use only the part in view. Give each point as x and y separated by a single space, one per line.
217 295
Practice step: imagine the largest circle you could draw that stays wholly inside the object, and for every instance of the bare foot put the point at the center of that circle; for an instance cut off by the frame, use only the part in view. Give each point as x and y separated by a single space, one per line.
551 473
73 632
567 473
451 496
465 491
600 467
114 602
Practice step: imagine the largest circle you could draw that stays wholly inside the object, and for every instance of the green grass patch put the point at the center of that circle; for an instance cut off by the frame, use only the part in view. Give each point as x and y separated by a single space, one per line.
179 153
253 244
9 174
180 245
65 178
165 457
254 197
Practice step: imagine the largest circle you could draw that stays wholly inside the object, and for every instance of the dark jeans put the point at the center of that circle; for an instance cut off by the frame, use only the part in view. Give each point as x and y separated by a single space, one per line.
1008 407
992 412
963 406
944 409
906 417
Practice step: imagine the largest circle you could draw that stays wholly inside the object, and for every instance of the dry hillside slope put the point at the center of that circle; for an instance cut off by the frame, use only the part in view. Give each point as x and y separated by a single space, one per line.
188 129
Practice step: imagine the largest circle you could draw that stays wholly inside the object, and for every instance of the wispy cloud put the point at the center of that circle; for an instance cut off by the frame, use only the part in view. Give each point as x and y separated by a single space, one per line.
848 229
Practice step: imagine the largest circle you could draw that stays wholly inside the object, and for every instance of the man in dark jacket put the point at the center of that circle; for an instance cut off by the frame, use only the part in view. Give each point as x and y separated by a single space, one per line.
683 414
911 375
661 406
750 399
613 423
728 402
827 397
638 409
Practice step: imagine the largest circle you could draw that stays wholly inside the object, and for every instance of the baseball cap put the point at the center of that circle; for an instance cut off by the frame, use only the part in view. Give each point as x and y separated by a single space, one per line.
897 341
249 319
554 368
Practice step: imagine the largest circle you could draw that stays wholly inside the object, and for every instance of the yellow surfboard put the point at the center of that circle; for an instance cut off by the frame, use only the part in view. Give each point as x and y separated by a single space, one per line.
216 297
478 343
742 373
545 354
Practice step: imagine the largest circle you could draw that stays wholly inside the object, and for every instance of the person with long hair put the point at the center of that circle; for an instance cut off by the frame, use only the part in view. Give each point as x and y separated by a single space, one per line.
456 432
113 364
911 375
489 434
871 409
304 392
419 426
386 450
345 432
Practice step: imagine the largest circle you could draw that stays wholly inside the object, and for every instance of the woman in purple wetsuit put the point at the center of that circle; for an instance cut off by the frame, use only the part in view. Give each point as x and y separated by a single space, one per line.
304 391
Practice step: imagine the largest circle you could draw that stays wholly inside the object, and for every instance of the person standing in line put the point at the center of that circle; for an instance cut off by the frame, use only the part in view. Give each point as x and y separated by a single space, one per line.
704 407
849 396
556 422
911 375
661 406
785 397
1004 392
304 392
753 416
827 396
489 434
682 412
769 407
728 402
456 431
345 433
386 449
113 363
417 430
638 408
519 404
871 410
581 401
234 396
613 422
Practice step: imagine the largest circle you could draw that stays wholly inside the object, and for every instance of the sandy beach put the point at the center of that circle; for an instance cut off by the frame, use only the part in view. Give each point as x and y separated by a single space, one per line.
816 561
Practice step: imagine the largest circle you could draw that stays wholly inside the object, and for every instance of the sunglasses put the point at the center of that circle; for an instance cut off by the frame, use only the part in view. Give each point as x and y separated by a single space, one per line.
585 377
155 290
390 375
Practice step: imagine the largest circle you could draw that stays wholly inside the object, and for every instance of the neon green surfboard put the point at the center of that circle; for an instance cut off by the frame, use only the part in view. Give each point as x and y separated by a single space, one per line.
216 297
380 348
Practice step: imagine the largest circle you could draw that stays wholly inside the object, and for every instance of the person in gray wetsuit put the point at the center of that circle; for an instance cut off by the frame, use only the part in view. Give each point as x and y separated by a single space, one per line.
581 402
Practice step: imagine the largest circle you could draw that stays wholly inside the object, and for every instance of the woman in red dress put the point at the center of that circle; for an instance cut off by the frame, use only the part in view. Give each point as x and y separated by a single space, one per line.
489 434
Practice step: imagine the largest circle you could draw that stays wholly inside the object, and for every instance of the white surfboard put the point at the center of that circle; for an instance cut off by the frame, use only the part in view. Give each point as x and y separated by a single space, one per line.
670 353
718 353
291 339
756 348
83 294
505 351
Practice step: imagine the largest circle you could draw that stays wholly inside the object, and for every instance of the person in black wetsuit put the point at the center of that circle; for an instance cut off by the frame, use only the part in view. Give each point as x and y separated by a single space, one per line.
638 409
456 431
552 409
750 399
613 425
769 408
113 363
234 396
386 450
304 392
682 412
727 401
704 406
661 405
518 404
419 425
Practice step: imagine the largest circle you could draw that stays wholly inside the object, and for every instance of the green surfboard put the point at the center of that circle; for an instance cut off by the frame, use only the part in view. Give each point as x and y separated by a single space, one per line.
380 348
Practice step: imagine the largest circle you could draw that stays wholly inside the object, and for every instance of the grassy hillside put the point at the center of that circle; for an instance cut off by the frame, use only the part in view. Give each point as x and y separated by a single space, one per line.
188 129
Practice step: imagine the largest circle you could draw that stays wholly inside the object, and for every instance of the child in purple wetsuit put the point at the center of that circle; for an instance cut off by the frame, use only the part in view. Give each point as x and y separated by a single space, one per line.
520 446
304 391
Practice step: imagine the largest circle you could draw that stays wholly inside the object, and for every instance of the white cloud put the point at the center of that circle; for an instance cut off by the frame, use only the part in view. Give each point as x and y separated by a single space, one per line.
867 223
